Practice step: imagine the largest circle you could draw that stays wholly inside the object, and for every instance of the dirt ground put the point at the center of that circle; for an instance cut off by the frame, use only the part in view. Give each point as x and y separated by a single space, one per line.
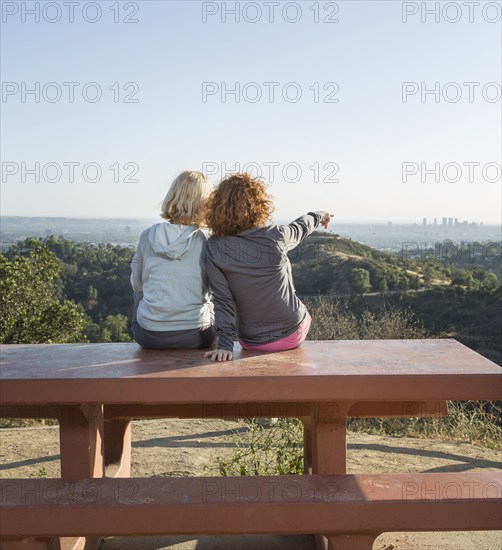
190 447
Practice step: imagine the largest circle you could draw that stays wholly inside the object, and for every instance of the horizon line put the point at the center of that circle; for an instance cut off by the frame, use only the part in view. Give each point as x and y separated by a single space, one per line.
335 220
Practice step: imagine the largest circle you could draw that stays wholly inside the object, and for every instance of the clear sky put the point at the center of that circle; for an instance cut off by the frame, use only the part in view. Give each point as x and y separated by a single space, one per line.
365 140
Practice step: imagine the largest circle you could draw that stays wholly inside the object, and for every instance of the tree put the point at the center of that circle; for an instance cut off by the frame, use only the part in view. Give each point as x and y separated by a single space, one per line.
428 276
31 310
381 283
115 328
361 280
490 280
111 329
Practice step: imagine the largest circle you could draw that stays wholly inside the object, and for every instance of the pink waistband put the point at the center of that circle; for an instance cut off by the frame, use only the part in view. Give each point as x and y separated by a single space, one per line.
289 342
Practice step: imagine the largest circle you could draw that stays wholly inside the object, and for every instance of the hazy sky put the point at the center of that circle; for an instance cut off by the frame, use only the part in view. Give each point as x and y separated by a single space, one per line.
370 109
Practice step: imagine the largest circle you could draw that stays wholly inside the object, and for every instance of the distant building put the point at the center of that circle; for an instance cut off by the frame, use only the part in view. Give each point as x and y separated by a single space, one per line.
444 221
435 221
450 222
424 221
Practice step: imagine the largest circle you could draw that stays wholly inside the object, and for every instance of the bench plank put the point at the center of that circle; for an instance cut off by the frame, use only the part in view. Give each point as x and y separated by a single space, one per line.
266 505
370 409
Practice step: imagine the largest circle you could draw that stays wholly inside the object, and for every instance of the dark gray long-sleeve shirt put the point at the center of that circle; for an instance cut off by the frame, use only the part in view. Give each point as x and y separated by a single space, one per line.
252 285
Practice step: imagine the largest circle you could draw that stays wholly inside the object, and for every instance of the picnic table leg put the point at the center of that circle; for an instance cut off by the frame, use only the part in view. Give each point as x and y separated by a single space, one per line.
80 437
81 430
329 438
345 542
117 447
81 441
307 445
329 456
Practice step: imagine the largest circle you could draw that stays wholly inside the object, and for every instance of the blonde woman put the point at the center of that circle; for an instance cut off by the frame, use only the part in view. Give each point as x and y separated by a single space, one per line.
172 303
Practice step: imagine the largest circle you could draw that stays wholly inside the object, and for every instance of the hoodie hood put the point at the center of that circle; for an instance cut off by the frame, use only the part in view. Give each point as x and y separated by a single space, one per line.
172 240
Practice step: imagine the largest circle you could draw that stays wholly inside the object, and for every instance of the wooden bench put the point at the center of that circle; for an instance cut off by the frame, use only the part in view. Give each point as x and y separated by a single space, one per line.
340 505
94 390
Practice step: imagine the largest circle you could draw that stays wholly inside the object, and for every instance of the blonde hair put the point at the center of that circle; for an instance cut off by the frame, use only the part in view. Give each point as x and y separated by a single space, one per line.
186 199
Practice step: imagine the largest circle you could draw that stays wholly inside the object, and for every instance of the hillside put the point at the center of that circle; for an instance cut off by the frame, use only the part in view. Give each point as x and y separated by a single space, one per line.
325 264
449 299
471 316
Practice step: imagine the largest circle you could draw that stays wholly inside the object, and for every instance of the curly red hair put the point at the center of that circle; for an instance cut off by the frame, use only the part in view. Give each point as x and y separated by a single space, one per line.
239 202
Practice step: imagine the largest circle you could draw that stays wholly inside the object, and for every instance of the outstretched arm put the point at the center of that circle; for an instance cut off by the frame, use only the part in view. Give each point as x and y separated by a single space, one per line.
296 231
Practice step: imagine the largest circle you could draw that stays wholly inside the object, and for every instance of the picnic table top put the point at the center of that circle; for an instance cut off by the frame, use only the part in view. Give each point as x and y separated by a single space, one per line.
358 370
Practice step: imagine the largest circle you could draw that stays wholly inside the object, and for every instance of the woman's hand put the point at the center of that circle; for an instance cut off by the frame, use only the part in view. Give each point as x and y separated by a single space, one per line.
326 219
219 355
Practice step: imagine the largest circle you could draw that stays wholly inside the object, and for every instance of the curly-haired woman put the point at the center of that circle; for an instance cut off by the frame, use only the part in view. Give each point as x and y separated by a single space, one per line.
172 302
249 270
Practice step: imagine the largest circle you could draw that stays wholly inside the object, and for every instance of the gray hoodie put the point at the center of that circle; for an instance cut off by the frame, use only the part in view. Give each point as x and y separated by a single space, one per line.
168 267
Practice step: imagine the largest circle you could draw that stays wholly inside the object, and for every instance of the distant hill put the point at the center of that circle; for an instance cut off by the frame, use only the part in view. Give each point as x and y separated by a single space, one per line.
450 300
325 264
